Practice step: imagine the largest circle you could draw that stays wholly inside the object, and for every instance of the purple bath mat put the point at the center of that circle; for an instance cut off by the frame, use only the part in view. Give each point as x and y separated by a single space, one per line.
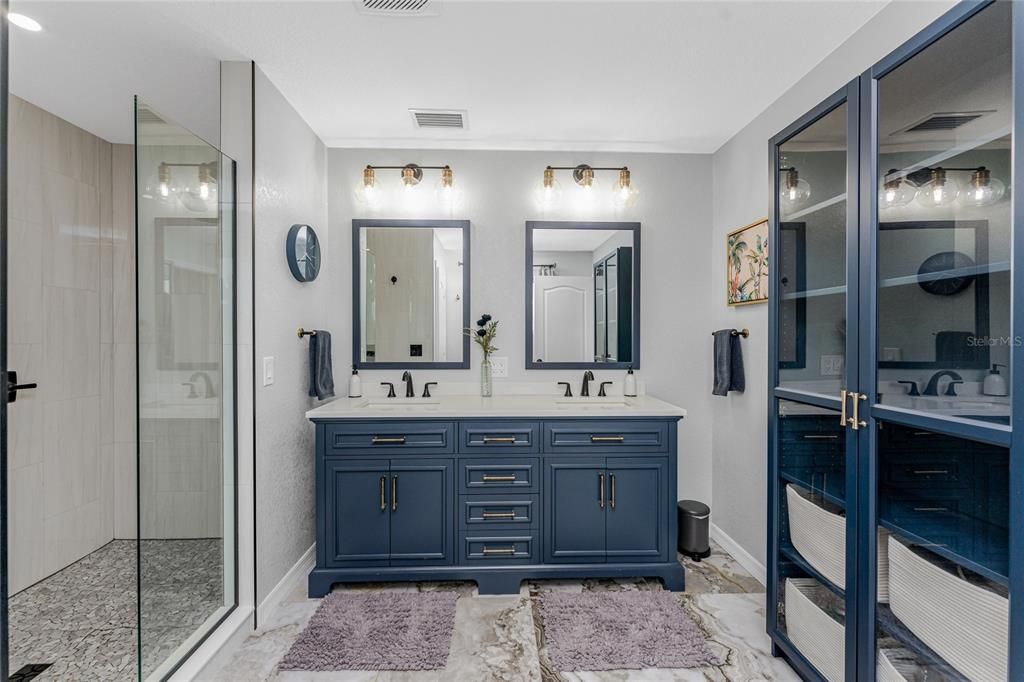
376 631
621 630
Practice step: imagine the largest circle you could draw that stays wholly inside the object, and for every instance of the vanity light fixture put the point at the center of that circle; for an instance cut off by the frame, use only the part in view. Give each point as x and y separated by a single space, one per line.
583 175
206 173
411 173
794 188
934 187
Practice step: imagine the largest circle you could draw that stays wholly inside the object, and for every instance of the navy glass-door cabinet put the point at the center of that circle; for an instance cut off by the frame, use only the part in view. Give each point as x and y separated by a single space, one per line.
896 482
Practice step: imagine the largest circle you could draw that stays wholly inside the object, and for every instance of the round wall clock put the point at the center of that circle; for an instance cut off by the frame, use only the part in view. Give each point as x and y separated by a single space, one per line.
945 261
303 252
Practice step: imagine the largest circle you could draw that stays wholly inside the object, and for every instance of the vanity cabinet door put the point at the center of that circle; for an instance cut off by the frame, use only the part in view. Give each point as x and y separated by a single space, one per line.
422 511
575 499
357 527
637 509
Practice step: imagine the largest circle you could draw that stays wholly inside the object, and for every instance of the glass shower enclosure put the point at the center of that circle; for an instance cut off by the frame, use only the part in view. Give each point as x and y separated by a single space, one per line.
187 531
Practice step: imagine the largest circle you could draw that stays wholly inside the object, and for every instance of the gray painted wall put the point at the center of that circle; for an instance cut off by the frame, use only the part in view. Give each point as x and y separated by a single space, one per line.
741 181
289 186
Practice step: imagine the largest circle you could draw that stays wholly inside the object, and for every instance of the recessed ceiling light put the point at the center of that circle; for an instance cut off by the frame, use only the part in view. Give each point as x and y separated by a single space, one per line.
22 21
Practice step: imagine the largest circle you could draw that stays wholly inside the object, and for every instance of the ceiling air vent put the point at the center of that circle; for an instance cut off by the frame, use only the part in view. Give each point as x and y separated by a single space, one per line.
438 118
946 121
400 8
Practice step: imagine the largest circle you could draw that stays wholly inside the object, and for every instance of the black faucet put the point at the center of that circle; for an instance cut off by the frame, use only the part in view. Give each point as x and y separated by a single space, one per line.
933 384
208 391
588 376
568 389
407 378
391 388
426 388
601 393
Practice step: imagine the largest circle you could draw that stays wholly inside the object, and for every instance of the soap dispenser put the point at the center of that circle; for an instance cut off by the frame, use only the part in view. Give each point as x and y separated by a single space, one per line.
355 384
995 383
629 387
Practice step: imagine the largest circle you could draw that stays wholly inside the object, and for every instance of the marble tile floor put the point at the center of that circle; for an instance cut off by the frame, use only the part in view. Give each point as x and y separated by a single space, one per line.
83 619
502 638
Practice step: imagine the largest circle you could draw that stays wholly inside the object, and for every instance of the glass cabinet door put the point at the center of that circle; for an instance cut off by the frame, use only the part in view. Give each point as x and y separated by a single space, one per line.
812 548
936 450
812 255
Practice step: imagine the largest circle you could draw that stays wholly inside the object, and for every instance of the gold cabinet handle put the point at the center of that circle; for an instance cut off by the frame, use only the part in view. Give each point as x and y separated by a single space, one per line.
499 439
928 472
822 436
383 501
612 477
394 493
388 440
855 420
499 550
842 410
931 509
600 489
499 515
607 439
489 478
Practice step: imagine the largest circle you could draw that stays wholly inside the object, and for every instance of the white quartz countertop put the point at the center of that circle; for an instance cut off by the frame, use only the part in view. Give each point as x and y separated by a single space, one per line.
467 406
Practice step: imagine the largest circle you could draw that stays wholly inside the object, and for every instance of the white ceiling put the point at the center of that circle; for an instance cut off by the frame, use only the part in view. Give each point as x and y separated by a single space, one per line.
630 75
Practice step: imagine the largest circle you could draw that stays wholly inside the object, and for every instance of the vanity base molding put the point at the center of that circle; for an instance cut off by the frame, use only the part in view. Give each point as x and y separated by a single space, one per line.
495 501
495 580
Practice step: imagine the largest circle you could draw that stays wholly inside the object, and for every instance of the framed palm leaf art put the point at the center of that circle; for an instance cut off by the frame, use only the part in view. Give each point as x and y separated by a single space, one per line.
746 265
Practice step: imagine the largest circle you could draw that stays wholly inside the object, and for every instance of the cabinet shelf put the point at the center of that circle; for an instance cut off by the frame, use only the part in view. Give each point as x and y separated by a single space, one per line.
792 555
891 625
970 271
834 492
992 540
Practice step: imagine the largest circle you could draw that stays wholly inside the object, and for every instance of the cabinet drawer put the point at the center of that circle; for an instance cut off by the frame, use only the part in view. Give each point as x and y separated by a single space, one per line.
921 473
634 437
476 437
519 474
498 547
498 510
392 437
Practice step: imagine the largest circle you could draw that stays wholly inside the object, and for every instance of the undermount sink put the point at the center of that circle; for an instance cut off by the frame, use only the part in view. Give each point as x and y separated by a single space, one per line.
590 404
405 404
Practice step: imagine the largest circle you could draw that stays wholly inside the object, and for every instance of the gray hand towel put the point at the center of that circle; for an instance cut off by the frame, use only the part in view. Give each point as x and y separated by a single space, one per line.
728 363
321 374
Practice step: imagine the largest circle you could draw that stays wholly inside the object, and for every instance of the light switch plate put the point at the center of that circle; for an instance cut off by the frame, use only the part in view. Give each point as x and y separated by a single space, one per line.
499 367
831 365
268 371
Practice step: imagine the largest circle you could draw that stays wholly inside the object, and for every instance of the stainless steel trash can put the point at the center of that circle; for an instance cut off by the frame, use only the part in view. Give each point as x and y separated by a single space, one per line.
694 518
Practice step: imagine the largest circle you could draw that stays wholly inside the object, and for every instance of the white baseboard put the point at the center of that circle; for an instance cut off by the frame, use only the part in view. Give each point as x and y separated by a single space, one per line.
295 575
742 556
214 653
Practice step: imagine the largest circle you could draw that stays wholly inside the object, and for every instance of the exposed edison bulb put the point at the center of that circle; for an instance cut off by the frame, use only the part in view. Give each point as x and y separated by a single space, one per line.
938 191
895 192
794 188
164 175
205 178
983 190
550 191
625 192
447 194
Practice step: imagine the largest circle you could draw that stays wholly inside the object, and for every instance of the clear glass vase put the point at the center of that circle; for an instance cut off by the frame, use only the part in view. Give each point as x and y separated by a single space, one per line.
486 389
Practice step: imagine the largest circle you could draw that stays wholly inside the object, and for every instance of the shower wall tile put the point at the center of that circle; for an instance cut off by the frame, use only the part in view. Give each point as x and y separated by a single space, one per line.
62 436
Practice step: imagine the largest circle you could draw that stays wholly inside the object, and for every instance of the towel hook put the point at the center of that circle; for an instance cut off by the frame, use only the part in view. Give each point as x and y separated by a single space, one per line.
302 332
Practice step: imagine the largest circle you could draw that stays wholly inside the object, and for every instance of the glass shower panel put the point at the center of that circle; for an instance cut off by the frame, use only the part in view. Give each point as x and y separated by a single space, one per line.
186 458
944 153
812 257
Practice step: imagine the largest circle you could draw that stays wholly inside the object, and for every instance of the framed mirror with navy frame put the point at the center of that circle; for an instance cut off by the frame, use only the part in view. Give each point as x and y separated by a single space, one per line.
931 485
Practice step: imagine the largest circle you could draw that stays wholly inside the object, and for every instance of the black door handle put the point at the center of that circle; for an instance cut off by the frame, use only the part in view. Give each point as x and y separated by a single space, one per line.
13 386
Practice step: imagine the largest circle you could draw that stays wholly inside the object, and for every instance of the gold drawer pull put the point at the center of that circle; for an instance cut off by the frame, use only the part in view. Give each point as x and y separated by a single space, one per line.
499 550
924 433
600 490
931 509
386 440
488 478
612 477
499 515
499 439
383 502
812 436
607 439
394 493
928 472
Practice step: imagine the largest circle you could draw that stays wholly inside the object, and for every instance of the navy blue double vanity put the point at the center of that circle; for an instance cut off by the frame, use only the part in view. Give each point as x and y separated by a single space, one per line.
418 495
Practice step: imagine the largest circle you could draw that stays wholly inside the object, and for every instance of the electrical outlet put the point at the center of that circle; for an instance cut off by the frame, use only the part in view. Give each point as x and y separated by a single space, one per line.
268 371
831 365
499 367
